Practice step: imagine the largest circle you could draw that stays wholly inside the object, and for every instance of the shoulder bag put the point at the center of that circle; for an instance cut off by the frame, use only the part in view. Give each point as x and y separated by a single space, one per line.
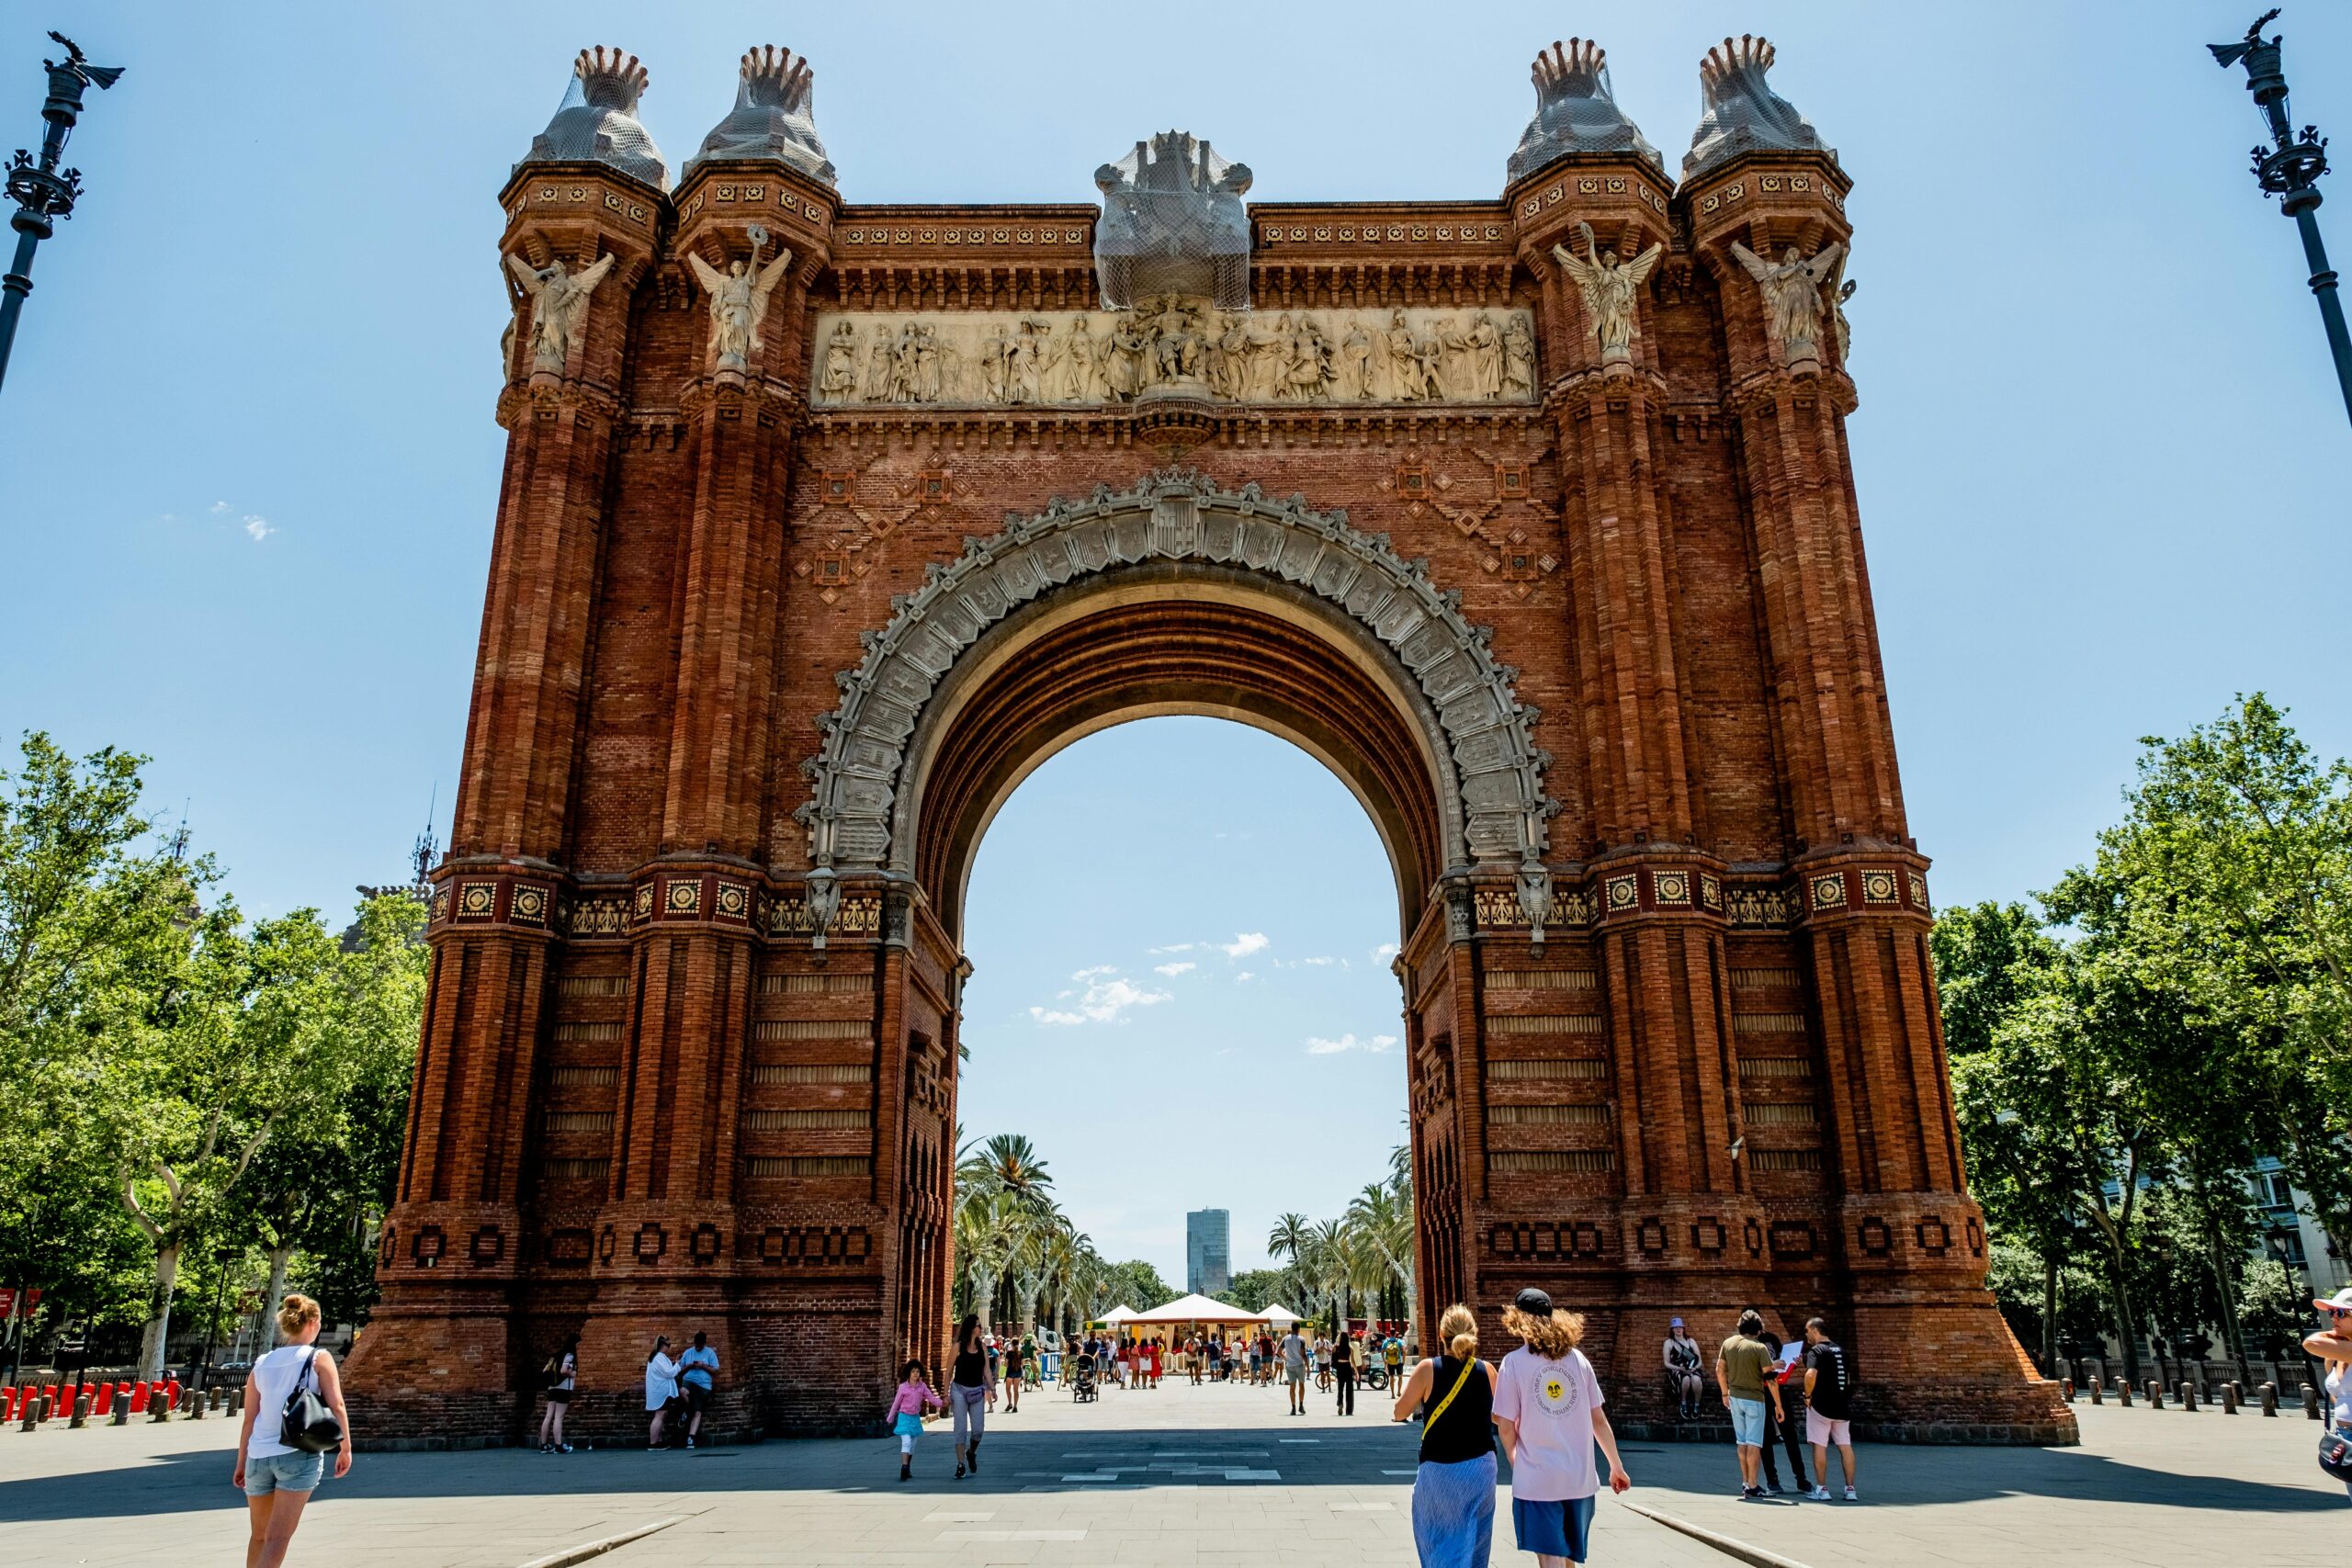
307 1425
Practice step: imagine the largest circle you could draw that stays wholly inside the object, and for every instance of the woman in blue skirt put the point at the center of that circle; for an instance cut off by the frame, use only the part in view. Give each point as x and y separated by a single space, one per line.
1547 1410
1453 1490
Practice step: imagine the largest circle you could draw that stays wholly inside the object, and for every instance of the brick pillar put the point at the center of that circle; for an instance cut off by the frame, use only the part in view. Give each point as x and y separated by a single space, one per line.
1909 1237
437 1357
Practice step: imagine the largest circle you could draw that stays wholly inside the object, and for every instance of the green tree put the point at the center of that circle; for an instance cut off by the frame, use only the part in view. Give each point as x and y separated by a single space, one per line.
89 906
1137 1284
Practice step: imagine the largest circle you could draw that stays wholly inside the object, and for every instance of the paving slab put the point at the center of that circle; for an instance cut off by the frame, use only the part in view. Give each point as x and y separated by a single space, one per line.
1178 1477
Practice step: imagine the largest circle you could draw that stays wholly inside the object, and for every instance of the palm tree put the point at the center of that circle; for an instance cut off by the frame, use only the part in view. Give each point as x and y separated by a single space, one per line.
1291 1237
1384 1224
1008 1163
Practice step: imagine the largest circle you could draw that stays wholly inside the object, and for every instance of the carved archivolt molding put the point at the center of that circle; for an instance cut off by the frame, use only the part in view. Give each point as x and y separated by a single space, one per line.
1177 516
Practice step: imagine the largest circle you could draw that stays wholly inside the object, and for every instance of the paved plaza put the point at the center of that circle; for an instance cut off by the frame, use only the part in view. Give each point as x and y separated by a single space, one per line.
1193 1478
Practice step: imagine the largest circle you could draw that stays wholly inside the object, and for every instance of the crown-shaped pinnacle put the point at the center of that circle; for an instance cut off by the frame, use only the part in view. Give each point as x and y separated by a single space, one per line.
776 78
1731 57
1572 67
610 77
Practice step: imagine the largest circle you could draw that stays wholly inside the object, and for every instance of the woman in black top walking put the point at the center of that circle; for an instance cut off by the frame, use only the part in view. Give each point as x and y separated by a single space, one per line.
1453 1490
968 1392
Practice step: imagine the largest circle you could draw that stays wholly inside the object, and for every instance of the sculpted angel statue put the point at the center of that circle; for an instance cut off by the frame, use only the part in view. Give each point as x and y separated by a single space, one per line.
739 299
1792 291
558 306
1609 285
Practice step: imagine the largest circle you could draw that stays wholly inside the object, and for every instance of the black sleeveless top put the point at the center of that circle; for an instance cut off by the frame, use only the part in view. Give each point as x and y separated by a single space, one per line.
972 1365
1466 1429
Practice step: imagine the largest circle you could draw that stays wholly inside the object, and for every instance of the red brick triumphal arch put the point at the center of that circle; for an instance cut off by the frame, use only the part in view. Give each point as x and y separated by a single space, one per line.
822 524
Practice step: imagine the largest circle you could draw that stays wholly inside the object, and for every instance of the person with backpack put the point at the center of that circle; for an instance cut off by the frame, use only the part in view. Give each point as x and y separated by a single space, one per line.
1828 1407
558 1378
293 1413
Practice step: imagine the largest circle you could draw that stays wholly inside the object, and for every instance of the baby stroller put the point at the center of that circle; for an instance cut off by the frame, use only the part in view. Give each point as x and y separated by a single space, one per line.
1084 1389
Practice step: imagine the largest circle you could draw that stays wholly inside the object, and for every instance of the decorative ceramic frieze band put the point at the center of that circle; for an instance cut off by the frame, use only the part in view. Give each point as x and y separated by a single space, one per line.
1866 889
1166 346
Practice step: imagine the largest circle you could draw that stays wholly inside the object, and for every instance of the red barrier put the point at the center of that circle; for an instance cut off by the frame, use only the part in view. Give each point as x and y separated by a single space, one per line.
104 1401
172 1395
7 1405
138 1398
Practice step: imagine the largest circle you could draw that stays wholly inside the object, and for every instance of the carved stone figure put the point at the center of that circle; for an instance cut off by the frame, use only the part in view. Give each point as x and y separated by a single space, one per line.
739 300
1486 358
558 306
1792 291
996 366
881 363
839 377
1124 367
1355 364
1518 359
1609 288
1404 367
930 372
1081 366
1428 363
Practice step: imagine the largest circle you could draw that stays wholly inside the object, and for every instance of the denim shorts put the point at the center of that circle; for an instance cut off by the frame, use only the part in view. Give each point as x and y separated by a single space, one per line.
296 1471
1748 1422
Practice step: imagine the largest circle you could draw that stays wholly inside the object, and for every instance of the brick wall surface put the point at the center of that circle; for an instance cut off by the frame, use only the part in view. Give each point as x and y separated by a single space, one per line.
651 1099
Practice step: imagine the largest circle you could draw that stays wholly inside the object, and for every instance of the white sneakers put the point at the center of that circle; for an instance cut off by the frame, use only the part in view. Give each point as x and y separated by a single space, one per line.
1819 1495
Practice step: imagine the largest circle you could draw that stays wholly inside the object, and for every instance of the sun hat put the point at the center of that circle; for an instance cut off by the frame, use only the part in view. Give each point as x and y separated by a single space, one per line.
2340 1301
1531 1300
1674 1322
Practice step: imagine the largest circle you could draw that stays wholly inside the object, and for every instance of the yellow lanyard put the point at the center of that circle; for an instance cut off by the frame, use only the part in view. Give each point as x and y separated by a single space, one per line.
1459 1383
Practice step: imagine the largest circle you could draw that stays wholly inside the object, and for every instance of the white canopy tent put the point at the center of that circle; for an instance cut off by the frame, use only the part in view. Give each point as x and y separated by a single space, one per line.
1197 1309
1117 1315
1281 1316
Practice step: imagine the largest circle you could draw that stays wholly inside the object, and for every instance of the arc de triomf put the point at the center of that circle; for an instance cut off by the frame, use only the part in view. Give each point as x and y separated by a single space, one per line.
822 524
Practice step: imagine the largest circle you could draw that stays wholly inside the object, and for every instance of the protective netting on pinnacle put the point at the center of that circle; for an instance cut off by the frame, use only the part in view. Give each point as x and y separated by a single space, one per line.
1173 223
596 122
774 116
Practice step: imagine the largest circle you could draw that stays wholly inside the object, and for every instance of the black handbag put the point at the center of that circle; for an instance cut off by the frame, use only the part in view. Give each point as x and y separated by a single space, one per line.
2336 1454
308 1424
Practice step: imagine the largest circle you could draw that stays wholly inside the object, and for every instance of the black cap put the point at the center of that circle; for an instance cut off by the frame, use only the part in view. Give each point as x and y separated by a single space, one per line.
1534 1301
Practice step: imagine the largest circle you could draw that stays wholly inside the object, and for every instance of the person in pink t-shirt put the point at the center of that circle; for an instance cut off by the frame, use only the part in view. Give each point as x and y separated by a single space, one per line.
1547 1412
909 1407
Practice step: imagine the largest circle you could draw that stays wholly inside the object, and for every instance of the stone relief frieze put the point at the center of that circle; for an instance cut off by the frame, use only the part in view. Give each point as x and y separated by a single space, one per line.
1173 347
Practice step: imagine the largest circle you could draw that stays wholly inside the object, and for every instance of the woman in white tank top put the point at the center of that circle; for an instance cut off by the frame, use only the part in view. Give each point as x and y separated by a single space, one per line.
277 1480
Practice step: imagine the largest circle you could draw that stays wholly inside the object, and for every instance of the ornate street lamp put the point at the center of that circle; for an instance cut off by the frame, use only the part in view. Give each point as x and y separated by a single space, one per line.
43 192
2290 169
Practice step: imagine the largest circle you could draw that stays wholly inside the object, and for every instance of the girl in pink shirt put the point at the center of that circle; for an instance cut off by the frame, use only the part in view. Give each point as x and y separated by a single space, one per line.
906 1413
1547 1411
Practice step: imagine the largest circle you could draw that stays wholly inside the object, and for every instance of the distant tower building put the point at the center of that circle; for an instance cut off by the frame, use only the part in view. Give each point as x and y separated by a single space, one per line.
1208 1251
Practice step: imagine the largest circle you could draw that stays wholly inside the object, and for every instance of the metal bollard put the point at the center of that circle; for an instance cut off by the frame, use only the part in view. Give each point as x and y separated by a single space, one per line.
33 1417
220 1398
158 1409
2229 1399
82 1403
47 1407
121 1417
194 1403
2311 1402
2270 1399
2156 1394
2187 1393
2068 1385
2123 1394
2098 1392
237 1400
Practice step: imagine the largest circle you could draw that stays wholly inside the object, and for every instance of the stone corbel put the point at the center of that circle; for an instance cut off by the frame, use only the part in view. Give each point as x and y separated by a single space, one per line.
824 895
1534 898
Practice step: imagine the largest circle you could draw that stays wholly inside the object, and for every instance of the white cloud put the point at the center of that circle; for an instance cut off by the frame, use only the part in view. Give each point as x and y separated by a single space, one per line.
220 509
1244 943
258 528
1384 952
1244 975
1106 998
1378 1045
1172 970
1175 947
1098 969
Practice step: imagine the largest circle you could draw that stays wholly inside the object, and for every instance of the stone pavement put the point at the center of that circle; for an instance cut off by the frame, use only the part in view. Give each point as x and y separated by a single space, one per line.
1189 1478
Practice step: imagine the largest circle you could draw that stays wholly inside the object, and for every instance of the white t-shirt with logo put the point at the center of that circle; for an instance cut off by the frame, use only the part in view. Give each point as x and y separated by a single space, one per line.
1552 1403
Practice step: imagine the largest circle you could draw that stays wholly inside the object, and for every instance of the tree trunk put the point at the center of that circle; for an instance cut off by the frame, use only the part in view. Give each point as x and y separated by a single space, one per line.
153 1342
279 1258
2126 1321
2049 1314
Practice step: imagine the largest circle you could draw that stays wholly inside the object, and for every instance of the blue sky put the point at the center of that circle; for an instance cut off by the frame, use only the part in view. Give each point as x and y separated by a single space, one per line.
250 464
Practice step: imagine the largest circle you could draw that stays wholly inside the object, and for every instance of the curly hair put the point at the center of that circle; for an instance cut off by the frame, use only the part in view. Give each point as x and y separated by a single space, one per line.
1551 1338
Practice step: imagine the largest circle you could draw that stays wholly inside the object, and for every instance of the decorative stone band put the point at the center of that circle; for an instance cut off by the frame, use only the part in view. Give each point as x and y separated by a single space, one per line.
1670 889
1094 358
1181 516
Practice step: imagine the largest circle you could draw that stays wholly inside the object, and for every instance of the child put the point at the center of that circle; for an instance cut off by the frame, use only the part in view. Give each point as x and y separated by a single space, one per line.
906 1413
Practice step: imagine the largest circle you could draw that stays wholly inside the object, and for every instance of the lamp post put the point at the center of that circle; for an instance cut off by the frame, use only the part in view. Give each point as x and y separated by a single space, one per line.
2290 169
43 192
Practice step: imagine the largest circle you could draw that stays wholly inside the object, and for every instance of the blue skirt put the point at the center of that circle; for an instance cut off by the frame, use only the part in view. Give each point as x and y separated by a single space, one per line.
1454 1513
908 1425
1553 1530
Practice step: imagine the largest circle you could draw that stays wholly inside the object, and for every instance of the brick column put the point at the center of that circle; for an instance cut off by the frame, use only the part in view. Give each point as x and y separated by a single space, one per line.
437 1354
1909 1237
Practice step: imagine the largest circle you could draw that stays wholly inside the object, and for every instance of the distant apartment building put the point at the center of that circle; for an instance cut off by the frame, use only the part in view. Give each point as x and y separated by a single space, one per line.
2291 1234
1208 1251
